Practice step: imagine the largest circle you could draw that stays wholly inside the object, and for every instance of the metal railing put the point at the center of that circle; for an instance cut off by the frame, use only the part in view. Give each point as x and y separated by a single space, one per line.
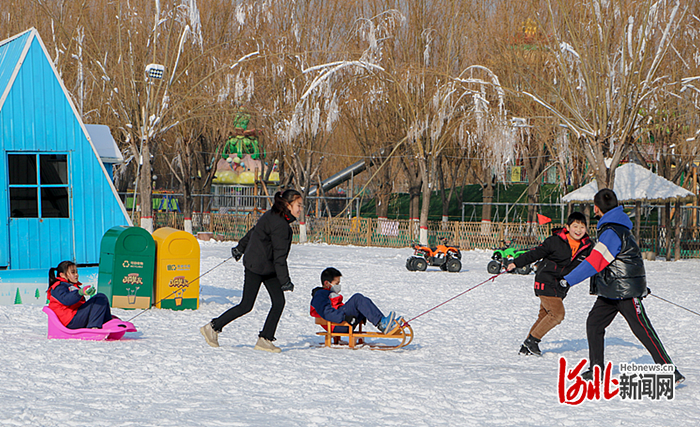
243 200
233 224
514 212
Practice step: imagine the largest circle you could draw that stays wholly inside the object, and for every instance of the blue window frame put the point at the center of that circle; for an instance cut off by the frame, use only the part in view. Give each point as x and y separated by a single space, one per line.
38 185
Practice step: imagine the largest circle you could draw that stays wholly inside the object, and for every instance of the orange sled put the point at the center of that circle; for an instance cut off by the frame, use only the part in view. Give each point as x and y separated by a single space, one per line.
402 332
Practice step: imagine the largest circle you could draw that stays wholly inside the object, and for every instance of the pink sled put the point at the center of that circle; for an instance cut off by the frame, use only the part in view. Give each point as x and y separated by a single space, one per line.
112 330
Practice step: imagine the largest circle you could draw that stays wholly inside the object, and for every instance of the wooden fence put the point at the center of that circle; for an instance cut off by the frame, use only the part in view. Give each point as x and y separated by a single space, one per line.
371 231
402 233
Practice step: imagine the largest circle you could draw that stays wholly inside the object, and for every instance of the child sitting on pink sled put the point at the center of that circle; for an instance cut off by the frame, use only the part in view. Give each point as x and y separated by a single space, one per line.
67 299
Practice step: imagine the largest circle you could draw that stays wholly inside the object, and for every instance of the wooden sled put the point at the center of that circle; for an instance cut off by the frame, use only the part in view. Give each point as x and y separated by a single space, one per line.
402 332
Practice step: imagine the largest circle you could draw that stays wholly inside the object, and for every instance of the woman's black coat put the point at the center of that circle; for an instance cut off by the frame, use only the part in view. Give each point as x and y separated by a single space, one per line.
266 246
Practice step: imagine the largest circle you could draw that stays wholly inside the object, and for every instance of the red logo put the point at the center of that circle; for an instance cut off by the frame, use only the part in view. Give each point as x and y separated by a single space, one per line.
573 389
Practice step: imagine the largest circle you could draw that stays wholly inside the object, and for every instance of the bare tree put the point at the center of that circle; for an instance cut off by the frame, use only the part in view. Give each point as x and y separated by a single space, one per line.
608 55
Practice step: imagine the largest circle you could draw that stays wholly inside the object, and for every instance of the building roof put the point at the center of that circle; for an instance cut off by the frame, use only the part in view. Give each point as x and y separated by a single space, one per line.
38 117
634 183
104 143
10 54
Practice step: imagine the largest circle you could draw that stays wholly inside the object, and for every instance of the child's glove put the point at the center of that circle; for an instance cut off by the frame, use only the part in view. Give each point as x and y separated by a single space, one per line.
646 293
236 253
87 290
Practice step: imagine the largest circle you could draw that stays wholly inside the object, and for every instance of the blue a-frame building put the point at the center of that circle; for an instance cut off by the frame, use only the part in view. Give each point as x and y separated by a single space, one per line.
56 198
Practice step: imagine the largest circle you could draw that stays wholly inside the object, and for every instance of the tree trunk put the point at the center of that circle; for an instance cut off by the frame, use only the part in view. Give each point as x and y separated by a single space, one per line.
487 196
304 176
638 220
146 189
534 164
414 205
667 228
605 177
413 177
533 198
678 222
427 167
384 187
188 172
447 196
443 194
383 205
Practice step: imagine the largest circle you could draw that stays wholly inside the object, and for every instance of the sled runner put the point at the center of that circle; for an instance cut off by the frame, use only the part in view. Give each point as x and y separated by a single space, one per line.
112 330
402 332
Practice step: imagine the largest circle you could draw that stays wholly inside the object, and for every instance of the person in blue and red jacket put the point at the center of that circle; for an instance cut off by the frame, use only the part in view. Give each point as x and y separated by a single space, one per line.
560 253
67 299
327 303
618 278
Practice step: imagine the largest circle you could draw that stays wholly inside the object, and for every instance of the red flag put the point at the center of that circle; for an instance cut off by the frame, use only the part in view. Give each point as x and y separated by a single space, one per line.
541 219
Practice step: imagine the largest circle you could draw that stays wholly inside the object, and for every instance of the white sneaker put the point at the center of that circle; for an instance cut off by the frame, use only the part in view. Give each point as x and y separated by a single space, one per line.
210 335
266 345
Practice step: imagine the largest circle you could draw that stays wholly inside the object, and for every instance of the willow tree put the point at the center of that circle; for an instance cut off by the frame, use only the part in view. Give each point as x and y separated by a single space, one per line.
145 100
375 128
607 58
298 102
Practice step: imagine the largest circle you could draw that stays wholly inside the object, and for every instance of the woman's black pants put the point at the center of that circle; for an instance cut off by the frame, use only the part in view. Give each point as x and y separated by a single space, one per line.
251 286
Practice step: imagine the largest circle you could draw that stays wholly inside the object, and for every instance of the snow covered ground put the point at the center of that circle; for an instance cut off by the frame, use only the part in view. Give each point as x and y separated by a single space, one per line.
462 369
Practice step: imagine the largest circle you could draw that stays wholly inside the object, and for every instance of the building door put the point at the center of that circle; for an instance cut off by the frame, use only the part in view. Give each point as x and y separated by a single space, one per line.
40 225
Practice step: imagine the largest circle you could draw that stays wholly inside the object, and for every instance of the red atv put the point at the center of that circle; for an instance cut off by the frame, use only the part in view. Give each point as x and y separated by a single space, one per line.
444 256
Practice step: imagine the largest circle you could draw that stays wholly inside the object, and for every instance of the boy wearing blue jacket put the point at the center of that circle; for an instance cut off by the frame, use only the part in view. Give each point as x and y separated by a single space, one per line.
356 308
619 279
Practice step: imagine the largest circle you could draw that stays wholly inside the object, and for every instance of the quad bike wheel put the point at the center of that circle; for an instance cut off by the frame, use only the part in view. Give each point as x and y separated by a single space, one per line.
494 267
420 264
453 265
523 270
409 264
443 267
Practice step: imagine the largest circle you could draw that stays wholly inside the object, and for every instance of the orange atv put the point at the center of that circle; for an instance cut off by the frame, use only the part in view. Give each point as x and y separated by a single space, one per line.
446 257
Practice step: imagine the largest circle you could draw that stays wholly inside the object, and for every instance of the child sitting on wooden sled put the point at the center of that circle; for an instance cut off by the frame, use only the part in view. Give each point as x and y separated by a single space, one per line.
327 303
67 299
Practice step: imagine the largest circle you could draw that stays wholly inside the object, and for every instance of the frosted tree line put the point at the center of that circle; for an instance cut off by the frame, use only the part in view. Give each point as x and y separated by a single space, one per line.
432 94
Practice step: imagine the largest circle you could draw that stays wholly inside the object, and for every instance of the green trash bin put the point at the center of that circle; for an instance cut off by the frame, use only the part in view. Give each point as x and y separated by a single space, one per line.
127 266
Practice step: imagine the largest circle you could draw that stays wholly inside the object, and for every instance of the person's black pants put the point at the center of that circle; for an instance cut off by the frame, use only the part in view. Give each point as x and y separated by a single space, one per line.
602 314
251 286
93 314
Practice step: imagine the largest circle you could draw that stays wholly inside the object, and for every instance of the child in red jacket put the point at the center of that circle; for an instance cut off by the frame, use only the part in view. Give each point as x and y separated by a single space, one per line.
559 254
67 299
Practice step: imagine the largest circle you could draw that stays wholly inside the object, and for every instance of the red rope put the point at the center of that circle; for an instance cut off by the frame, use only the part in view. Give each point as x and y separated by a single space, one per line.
492 278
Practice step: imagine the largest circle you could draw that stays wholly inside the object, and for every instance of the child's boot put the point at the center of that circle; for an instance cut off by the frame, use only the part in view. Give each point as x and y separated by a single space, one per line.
531 345
678 377
387 323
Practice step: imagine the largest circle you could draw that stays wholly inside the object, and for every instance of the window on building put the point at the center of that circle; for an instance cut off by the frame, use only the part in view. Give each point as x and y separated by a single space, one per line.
38 185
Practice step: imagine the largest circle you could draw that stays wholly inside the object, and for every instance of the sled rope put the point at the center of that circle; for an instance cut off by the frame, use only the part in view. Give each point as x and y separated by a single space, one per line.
673 303
492 278
177 290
